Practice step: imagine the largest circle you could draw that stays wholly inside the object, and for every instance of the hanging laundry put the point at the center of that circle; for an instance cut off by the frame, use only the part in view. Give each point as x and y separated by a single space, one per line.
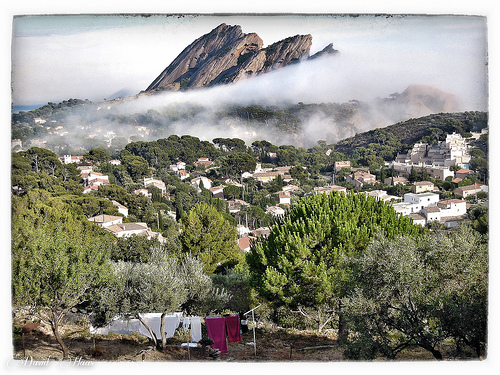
233 328
195 328
243 323
185 323
171 324
216 328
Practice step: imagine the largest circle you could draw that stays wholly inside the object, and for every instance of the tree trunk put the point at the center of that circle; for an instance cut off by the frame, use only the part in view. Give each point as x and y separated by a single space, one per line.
436 353
54 324
151 333
343 331
162 331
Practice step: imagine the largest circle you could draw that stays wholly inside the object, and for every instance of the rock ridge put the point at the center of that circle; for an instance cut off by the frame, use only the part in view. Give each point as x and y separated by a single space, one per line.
226 55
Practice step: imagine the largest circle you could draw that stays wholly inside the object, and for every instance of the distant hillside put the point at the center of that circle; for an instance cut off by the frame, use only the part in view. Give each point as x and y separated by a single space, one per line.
430 128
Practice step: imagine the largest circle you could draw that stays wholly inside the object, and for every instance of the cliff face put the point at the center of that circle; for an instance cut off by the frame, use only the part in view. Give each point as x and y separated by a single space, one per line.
226 55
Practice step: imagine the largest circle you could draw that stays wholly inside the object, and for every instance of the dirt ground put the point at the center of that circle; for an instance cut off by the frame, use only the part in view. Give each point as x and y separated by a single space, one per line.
273 345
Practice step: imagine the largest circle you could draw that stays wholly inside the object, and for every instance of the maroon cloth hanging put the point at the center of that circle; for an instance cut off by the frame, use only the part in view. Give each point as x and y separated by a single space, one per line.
216 328
233 328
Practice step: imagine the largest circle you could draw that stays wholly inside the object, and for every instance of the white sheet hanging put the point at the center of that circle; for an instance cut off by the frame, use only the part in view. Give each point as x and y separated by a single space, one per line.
195 328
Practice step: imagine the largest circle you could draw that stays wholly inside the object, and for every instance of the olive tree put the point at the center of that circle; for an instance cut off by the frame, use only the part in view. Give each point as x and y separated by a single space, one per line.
419 291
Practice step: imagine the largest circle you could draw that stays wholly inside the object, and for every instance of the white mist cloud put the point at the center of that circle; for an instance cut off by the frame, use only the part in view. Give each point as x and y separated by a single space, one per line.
378 56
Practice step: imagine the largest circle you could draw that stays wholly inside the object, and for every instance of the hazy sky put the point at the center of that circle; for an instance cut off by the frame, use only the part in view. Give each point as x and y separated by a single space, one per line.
92 57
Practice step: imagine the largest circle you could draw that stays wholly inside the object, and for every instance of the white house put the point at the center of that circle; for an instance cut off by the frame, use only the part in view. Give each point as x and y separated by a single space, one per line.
105 221
68 159
144 192
432 213
155 182
284 197
121 208
276 211
329 189
452 207
417 219
218 191
206 183
414 203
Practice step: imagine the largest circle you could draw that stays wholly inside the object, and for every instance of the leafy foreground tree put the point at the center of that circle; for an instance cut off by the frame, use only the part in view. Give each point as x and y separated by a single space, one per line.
206 235
299 264
57 260
419 291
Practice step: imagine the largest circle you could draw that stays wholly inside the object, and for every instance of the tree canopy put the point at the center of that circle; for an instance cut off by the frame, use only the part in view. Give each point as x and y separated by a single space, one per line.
419 291
299 263
205 234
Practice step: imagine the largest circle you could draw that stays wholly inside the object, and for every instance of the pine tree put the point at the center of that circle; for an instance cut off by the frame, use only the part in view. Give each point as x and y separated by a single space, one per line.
299 264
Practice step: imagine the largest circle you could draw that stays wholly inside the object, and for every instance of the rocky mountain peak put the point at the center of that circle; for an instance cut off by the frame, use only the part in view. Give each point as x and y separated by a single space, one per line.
226 55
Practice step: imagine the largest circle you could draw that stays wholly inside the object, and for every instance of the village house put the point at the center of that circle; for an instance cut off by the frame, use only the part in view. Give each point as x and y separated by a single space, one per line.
360 178
422 187
290 188
203 181
342 164
39 120
462 173
436 172
68 159
203 161
395 181
452 207
235 205
453 150
329 189
129 229
144 192
262 232
156 183
414 203
432 213
284 197
381 195
121 208
178 166
105 221
244 243
275 211
217 191
114 162
242 230
182 174
270 176
85 168
418 219
473 189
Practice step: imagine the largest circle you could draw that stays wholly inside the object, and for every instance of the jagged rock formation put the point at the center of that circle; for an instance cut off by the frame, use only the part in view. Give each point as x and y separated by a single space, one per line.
226 55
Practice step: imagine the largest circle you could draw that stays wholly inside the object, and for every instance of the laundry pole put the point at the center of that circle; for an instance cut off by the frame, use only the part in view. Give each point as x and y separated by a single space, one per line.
253 320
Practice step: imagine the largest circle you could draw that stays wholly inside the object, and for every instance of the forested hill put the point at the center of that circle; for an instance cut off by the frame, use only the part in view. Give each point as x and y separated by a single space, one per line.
430 129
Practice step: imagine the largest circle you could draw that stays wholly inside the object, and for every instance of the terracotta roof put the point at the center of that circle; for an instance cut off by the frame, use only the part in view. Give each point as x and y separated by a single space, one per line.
449 201
244 243
416 217
432 209
470 187
104 218
423 183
